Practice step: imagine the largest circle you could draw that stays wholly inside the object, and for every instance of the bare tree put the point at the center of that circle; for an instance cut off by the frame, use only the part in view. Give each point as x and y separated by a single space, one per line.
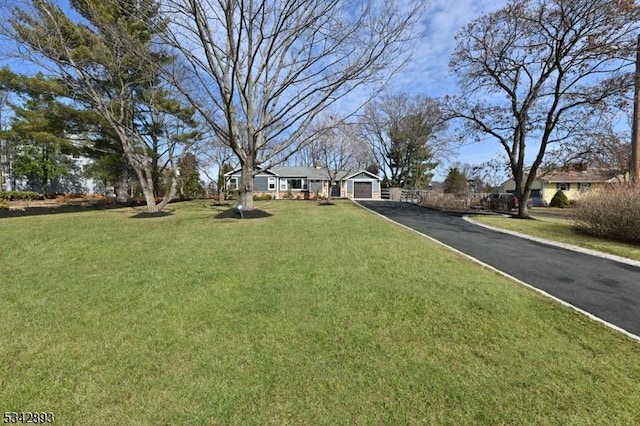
336 153
213 157
535 73
259 71
491 173
328 132
401 131
606 149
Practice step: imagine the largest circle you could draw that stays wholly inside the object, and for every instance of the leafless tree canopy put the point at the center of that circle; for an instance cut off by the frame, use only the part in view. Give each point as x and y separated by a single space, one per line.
335 144
604 147
394 121
259 71
535 73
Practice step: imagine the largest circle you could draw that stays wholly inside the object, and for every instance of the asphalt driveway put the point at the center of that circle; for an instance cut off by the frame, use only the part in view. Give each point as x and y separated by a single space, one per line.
607 289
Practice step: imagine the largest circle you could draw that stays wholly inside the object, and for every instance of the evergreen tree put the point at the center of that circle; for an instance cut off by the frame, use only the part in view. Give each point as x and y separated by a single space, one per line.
559 200
189 177
38 138
455 182
112 67
410 155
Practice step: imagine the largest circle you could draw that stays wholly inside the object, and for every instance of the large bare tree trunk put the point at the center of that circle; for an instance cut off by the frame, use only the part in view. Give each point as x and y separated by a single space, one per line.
122 185
523 198
146 184
3 160
245 197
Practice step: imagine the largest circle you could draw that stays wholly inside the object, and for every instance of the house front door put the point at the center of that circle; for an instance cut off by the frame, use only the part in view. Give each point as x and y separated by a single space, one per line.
335 190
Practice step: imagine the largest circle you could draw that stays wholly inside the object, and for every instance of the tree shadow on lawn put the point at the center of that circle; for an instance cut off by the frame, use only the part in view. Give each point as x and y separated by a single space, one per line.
234 214
57 209
149 215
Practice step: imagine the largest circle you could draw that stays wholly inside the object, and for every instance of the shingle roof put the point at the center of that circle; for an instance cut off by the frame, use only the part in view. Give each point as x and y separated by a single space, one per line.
311 173
300 172
591 175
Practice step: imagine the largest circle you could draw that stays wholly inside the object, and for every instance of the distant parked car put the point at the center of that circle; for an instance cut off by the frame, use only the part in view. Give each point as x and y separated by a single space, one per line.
500 201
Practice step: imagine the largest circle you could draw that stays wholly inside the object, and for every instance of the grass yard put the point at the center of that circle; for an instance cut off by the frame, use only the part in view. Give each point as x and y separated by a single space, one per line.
560 230
318 315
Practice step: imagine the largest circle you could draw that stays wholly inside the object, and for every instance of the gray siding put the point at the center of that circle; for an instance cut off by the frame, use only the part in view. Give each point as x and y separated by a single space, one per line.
361 176
315 186
260 183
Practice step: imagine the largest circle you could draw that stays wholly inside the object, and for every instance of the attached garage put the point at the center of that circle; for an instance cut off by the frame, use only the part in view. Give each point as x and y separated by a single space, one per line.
363 185
363 190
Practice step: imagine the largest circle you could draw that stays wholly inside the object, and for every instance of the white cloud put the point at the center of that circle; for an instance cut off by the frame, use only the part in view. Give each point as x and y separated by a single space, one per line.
427 71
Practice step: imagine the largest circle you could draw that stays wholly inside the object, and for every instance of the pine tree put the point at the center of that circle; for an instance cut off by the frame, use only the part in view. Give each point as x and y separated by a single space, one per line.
113 68
455 182
189 177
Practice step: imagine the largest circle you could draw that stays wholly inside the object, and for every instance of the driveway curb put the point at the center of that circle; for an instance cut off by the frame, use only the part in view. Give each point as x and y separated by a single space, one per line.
557 244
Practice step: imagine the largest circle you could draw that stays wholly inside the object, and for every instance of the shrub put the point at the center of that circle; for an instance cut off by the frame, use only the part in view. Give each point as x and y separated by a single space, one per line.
19 195
559 200
442 201
4 204
612 212
75 195
261 197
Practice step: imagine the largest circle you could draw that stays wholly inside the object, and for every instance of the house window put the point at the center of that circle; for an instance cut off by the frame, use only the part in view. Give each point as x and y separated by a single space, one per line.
233 183
272 184
297 184
584 186
283 185
563 186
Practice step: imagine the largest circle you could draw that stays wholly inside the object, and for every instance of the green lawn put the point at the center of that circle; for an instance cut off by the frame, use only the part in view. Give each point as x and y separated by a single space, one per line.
316 315
560 230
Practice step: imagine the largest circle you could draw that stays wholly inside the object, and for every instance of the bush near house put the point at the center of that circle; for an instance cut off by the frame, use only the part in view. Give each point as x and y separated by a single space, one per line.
261 197
560 200
613 212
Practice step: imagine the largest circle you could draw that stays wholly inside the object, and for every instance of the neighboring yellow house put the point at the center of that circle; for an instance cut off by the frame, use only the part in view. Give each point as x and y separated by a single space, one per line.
573 182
